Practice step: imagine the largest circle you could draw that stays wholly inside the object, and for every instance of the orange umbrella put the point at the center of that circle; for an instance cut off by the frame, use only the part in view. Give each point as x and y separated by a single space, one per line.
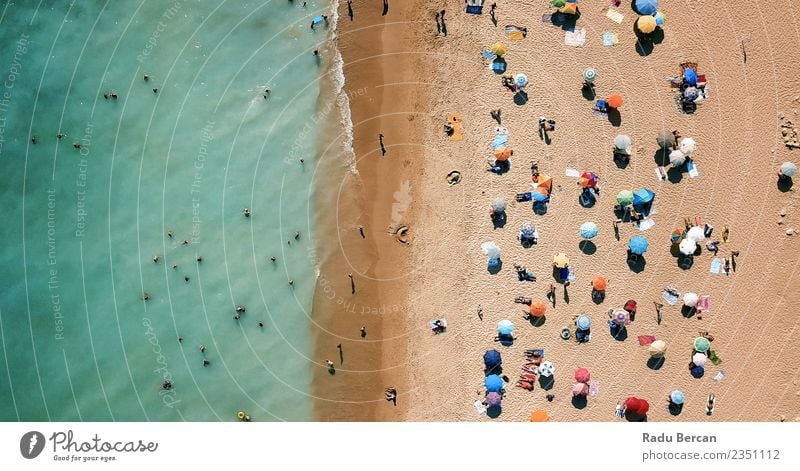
646 24
538 308
546 182
539 416
615 100
502 153
599 283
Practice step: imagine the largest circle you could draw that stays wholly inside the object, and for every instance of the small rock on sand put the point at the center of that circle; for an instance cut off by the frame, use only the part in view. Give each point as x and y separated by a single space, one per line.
783 212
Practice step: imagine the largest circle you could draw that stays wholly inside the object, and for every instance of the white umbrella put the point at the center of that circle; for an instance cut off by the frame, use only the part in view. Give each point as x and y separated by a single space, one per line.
687 246
505 327
690 299
699 359
499 205
622 142
546 369
697 234
490 249
788 169
677 158
520 80
688 145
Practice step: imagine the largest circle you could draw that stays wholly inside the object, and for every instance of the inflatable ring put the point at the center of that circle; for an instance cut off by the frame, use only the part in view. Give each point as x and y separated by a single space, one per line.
241 415
402 234
453 177
565 333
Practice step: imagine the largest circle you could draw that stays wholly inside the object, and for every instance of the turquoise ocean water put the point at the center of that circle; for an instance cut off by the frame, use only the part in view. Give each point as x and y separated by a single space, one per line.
81 226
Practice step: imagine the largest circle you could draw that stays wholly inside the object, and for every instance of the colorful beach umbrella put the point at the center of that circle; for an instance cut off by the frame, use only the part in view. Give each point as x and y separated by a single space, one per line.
539 416
561 260
677 158
625 197
499 205
688 145
588 230
505 327
676 397
521 80
699 359
637 406
677 235
690 76
697 234
657 349
691 93
580 389
538 308
643 196
701 344
492 359
690 299
582 375
615 100
589 74
621 317
499 49
493 383
588 180
547 369
687 247
493 399
638 245
788 169
646 24
599 283
502 153
539 196
622 142
545 183
646 7
665 140
583 322
660 18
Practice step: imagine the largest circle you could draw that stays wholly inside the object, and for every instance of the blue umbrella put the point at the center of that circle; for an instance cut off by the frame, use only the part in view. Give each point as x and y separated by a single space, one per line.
638 245
505 327
698 371
583 322
676 397
492 359
690 76
643 196
646 7
494 383
588 230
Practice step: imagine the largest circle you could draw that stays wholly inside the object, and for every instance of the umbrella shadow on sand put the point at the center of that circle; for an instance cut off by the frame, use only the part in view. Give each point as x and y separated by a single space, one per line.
587 247
646 43
662 157
614 117
564 21
537 321
631 417
546 382
494 412
674 409
675 174
785 184
688 312
636 262
579 401
520 98
588 92
655 363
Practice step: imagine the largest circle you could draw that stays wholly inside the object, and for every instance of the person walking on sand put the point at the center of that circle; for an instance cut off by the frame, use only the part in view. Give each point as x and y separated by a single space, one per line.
391 395
350 9
383 148
363 331
352 284
438 25
444 26
658 312
385 8
331 367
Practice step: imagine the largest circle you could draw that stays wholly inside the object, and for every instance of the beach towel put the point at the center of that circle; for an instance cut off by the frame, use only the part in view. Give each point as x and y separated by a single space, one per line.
670 296
610 39
645 340
474 7
487 54
454 120
479 407
594 388
571 276
660 175
575 38
712 355
704 304
615 15
716 266
719 376
692 170
515 33
571 172
500 140
646 224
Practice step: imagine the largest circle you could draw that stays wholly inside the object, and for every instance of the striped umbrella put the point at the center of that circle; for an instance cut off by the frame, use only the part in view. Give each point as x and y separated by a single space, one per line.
589 74
494 399
621 317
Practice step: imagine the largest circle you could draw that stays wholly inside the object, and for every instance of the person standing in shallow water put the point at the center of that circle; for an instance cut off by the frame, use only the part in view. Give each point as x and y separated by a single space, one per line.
385 8
383 148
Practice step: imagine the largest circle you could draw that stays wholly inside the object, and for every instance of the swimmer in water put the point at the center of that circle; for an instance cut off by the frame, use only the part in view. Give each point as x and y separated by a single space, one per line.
156 258
273 258
169 234
246 212
202 348
199 259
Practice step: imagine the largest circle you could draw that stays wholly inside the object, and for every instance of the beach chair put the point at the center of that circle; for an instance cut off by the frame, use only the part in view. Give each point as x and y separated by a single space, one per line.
474 7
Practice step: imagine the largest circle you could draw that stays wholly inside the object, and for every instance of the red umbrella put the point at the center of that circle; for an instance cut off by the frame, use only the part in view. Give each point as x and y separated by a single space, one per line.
582 375
637 406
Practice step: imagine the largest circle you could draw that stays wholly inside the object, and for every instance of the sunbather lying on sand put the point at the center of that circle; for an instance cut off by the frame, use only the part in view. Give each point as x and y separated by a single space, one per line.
525 385
523 300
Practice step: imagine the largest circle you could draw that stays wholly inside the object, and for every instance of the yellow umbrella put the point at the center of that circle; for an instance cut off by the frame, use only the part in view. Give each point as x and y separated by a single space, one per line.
499 49
657 349
539 416
561 260
646 24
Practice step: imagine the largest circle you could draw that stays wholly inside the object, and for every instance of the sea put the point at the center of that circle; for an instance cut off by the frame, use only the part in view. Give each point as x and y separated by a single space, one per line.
125 245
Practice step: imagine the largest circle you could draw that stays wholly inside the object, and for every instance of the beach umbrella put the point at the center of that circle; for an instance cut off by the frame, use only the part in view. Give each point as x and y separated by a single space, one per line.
643 196
580 389
583 322
691 93
622 142
538 308
493 399
660 18
665 140
676 397
499 49
621 317
687 246
788 169
588 230
696 233
492 359
657 348
690 299
699 359
521 80
615 100
698 371
646 24
638 245
589 74
599 283
690 76
505 327
677 158
558 3
545 183
493 383
701 344
499 205
527 230
582 375
646 7
588 179
546 369
637 406
625 197
539 416
491 250
677 235
561 260
502 153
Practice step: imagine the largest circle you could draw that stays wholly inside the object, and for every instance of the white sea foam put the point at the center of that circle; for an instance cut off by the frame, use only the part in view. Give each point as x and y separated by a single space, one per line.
342 100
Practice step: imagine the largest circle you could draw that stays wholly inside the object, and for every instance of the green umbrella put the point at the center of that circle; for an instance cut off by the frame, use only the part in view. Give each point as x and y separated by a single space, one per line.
701 344
625 197
558 3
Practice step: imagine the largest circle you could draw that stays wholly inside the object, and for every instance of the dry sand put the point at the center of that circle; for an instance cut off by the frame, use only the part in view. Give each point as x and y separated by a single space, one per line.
442 273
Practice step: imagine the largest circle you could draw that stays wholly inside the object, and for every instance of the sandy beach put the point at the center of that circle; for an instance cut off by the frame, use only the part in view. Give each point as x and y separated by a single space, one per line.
403 79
